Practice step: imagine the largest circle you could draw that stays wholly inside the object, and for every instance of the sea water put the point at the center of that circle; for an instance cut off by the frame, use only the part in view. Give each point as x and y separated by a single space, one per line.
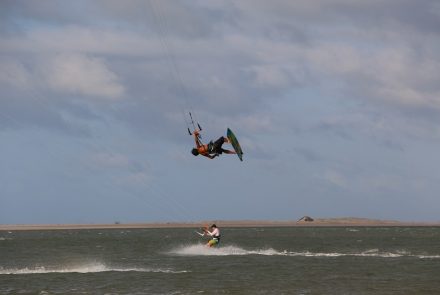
295 260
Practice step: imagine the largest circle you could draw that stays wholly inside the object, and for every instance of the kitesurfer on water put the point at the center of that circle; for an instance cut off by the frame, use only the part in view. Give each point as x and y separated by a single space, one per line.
210 150
215 234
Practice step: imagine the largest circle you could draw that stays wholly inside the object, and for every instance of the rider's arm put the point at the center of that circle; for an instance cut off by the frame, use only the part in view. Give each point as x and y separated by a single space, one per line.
196 134
196 138
213 233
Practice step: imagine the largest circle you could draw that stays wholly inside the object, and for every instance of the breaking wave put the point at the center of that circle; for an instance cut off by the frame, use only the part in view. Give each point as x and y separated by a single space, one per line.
86 268
202 250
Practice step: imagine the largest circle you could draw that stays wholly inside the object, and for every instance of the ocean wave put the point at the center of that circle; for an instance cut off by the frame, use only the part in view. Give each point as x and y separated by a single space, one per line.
202 250
86 268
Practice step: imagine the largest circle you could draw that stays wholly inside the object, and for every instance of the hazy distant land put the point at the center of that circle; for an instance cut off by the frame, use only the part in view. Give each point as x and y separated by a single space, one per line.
321 222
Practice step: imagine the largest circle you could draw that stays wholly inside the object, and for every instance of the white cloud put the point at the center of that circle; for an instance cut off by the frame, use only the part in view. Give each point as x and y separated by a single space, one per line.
136 178
405 78
335 178
270 75
334 59
256 123
83 75
383 182
125 171
79 39
14 73
111 160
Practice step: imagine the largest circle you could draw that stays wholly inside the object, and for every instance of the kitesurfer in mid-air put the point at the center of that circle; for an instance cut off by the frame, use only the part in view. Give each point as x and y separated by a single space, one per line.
210 150
215 235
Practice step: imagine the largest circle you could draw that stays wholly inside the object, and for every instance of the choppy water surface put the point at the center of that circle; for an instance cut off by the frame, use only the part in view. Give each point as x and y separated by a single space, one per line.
395 260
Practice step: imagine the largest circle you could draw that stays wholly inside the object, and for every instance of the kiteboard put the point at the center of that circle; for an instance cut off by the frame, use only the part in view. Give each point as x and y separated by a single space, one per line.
234 142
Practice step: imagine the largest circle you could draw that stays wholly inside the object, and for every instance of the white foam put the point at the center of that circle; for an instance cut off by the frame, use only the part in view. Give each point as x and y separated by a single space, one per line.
429 256
86 268
336 254
202 250
368 253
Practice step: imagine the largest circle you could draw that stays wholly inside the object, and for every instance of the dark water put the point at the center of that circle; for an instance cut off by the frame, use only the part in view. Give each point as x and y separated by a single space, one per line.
249 261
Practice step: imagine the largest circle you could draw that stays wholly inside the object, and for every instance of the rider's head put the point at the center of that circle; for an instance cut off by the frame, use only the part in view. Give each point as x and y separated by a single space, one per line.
195 152
214 226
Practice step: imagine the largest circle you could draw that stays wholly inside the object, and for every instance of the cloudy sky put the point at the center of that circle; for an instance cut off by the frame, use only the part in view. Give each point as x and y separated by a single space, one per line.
336 105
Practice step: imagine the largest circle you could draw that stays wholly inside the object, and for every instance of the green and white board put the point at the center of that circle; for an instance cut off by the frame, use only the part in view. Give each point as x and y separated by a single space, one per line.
234 142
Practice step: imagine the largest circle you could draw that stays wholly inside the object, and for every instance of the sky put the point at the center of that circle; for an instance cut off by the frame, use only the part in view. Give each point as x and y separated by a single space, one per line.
336 105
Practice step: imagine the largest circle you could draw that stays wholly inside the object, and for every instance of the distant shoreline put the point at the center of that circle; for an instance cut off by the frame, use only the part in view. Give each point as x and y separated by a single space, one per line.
333 222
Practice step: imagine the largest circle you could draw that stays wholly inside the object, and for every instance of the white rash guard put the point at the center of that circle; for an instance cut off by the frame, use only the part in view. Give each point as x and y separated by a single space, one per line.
214 233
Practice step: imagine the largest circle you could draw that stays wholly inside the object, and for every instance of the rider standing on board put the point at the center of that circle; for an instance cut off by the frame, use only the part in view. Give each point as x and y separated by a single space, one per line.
215 235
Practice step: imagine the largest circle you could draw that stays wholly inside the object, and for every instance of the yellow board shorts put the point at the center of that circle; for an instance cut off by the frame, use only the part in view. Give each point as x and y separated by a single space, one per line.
213 242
